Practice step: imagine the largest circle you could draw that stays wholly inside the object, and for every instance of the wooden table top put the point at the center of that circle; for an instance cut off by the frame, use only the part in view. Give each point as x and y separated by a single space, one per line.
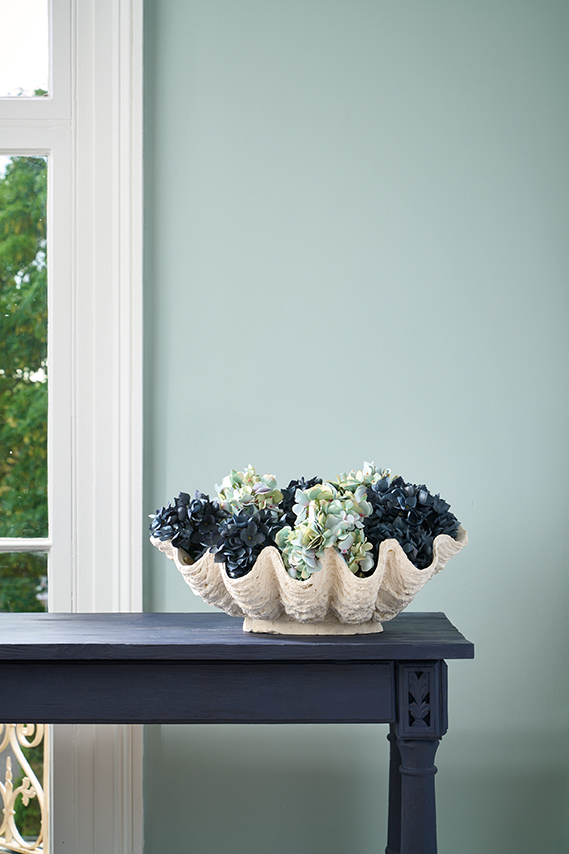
217 637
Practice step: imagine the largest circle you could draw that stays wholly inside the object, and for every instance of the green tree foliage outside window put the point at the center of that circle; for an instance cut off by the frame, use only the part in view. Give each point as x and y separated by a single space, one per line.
23 349
23 405
23 378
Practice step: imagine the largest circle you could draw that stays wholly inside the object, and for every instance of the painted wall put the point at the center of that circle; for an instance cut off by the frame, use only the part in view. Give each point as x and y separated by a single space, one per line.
357 222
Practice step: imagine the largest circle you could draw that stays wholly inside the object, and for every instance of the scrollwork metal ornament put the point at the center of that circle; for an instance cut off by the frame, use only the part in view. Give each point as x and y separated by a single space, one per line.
14 737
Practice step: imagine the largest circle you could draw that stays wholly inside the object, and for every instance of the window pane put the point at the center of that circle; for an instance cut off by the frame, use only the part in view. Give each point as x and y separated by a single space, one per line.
23 348
23 581
24 47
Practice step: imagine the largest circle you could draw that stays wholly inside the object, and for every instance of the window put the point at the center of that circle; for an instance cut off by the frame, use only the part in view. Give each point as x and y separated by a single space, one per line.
23 470
24 48
89 128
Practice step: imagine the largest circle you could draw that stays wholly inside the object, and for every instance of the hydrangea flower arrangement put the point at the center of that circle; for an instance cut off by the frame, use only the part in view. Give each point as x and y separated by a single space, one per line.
352 514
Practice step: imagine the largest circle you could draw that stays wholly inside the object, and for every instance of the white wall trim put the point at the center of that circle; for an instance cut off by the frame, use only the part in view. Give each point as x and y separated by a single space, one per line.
107 309
99 806
91 128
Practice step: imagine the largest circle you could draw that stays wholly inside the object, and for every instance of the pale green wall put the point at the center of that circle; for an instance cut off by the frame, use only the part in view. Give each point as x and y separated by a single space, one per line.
357 248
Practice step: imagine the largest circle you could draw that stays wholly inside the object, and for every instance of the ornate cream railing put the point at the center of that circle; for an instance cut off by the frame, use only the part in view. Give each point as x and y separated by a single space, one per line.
13 738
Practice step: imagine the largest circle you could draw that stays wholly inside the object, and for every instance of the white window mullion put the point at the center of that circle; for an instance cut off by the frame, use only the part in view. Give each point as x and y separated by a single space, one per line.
62 516
23 544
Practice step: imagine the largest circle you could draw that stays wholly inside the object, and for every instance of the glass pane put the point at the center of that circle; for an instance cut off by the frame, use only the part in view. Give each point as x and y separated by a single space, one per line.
23 581
23 348
24 47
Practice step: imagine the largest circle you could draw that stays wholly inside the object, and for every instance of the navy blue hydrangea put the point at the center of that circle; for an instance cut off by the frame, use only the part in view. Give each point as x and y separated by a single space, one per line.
410 514
191 523
240 539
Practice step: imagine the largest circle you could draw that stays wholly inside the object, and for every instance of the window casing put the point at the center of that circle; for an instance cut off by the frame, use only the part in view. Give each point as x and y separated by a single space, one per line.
91 130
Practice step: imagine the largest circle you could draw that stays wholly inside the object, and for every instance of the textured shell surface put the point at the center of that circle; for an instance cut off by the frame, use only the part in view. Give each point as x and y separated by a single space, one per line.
332 601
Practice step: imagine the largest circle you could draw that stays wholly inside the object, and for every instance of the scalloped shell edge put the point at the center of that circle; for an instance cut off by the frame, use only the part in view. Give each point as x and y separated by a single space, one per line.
333 600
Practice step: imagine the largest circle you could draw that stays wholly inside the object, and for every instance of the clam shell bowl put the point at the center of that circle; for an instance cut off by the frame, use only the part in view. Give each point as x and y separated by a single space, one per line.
333 601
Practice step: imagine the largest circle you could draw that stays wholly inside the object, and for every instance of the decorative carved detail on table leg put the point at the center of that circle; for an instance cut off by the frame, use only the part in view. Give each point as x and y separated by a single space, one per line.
421 699
421 722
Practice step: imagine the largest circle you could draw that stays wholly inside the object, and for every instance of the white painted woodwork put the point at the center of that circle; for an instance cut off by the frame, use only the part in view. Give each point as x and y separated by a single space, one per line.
91 129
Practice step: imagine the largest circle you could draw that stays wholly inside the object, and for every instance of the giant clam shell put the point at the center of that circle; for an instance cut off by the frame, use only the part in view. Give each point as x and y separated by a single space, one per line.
331 601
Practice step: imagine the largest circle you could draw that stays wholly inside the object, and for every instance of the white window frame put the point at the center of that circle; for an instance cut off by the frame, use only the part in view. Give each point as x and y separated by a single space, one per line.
91 130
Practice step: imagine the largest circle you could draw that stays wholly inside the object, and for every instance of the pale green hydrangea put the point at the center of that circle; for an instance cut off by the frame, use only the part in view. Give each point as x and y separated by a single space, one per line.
369 475
241 489
326 517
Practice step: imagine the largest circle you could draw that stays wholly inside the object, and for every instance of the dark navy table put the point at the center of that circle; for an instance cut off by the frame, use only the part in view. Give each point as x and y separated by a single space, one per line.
202 668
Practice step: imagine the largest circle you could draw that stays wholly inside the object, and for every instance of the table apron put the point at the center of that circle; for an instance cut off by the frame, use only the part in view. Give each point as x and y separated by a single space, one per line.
142 691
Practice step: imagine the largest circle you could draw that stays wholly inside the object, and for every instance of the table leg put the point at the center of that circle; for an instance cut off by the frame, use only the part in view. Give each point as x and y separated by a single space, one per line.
418 815
421 722
394 815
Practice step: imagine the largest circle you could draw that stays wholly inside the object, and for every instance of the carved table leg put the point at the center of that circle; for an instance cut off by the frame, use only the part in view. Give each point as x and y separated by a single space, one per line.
394 815
418 816
421 722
